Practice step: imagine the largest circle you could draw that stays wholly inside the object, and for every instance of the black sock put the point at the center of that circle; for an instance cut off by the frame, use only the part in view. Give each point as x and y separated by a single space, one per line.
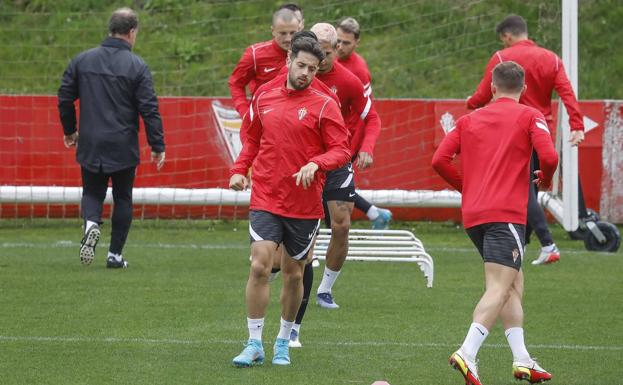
275 270
308 280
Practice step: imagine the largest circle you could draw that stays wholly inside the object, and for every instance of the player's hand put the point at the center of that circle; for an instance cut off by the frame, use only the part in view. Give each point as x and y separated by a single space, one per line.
306 174
71 140
158 157
364 160
576 137
541 183
238 182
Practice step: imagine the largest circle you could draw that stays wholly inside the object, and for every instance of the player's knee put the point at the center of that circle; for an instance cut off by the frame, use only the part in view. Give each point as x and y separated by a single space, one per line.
260 269
292 277
340 228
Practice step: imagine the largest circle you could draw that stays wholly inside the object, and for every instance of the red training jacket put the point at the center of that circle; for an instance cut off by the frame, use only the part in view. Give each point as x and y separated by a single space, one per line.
358 66
355 106
495 143
544 73
259 63
279 81
288 129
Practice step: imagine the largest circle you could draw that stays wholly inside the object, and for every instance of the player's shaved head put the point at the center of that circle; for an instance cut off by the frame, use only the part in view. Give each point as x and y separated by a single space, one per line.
285 15
325 33
513 24
509 77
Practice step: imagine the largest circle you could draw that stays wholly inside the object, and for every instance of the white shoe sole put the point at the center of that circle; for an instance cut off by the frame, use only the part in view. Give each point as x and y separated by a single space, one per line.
87 251
295 344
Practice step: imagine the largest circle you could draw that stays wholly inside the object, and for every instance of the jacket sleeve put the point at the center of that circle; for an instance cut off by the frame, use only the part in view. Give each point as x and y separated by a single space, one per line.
240 77
335 138
543 145
68 92
442 159
372 130
483 95
565 91
250 144
148 108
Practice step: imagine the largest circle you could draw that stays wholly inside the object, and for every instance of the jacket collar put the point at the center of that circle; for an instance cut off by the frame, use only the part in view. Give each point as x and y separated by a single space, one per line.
116 43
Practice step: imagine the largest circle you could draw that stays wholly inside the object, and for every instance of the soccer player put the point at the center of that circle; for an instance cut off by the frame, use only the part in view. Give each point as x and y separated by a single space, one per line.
544 73
261 62
295 131
348 36
114 87
495 144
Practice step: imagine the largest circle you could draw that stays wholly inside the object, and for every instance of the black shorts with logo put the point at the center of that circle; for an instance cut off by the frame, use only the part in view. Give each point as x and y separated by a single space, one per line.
297 235
498 242
340 185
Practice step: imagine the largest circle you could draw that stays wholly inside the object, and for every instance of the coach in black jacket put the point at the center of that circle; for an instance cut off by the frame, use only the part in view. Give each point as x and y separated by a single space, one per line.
114 86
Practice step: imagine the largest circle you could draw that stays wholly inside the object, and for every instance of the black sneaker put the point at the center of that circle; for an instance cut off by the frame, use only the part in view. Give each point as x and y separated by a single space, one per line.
112 263
88 243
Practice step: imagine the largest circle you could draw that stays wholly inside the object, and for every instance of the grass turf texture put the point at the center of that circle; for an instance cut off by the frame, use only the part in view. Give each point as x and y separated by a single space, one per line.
177 315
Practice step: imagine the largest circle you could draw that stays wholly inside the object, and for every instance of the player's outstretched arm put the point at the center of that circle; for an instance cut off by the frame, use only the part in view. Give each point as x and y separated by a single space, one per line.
335 138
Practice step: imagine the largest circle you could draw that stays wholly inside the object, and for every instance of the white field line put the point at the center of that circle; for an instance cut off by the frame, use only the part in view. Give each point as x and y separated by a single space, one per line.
168 341
207 246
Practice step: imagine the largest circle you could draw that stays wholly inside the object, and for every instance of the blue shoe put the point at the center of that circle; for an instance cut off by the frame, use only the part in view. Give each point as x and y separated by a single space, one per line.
281 352
325 301
294 340
382 221
253 354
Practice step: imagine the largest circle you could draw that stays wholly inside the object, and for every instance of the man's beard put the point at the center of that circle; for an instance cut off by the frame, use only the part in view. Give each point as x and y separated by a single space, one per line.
295 84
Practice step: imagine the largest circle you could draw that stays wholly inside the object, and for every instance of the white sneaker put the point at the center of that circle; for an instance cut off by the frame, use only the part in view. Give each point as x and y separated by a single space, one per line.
294 340
547 256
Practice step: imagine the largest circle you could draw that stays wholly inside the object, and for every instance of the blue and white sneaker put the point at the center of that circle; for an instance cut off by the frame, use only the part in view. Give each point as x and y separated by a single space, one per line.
382 221
325 301
294 340
253 354
281 351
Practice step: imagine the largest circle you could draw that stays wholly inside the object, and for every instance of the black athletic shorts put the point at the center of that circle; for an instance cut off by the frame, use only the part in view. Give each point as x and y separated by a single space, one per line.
297 235
498 242
340 185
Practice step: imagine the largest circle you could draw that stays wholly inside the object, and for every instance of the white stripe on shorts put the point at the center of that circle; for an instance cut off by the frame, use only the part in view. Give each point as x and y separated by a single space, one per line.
347 181
304 252
519 246
254 235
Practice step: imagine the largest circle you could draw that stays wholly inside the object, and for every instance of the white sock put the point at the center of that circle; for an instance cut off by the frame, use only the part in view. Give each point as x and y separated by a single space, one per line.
476 335
285 329
373 212
297 328
117 257
88 225
255 328
549 249
328 279
515 339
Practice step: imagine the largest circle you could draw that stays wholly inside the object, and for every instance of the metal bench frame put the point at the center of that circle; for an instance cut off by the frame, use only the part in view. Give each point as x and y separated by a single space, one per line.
381 246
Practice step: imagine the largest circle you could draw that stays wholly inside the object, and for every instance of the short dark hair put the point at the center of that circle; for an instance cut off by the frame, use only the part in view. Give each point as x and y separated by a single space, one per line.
509 77
122 21
306 44
305 33
349 25
514 24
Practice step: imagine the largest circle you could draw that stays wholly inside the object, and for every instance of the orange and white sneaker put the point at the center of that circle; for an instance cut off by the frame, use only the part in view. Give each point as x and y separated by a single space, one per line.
468 369
549 254
530 372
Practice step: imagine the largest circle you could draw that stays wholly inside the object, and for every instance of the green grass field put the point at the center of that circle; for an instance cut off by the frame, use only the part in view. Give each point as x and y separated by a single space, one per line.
176 316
